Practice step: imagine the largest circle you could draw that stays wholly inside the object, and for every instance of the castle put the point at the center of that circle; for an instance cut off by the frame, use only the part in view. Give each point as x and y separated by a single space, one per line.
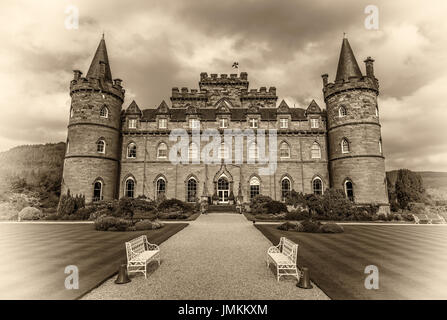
114 152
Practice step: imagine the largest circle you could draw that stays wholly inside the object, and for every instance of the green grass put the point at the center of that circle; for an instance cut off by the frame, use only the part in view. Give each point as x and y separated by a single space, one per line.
34 257
411 260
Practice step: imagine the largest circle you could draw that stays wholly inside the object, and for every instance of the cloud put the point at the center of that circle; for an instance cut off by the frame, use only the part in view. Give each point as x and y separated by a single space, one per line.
156 45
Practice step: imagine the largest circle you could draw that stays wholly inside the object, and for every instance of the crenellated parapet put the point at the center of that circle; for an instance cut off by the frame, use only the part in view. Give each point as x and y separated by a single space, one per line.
187 94
353 83
223 79
91 84
259 94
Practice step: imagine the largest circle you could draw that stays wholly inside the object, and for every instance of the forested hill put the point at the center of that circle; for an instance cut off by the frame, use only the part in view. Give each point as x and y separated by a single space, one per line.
32 161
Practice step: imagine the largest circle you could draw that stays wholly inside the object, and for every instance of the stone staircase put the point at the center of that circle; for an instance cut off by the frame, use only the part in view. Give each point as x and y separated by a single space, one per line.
228 208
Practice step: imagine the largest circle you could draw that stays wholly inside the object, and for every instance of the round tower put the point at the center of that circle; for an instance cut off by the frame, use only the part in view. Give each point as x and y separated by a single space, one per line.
356 161
91 164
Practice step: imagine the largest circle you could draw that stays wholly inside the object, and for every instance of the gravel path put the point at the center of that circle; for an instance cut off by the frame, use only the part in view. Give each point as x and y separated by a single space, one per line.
218 256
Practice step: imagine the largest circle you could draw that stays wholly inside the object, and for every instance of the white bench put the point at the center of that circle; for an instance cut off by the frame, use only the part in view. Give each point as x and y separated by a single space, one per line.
284 257
139 253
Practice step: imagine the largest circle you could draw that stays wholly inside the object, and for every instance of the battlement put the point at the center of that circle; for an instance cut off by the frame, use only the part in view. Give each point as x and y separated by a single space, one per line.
364 82
186 94
261 93
224 79
80 83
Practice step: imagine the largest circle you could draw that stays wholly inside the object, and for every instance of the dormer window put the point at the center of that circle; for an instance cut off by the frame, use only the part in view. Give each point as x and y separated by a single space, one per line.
132 123
283 123
223 123
194 123
104 112
162 123
253 123
314 123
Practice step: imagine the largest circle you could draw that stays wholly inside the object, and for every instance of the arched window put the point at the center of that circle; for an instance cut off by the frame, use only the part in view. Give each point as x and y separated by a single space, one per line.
97 190
345 146
377 111
192 190
193 152
284 150
132 150
104 112
254 187
68 146
253 151
71 112
380 145
285 188
101 146
341 111
130 188
224 151
317 186
315 151
161 187
349 190
162 150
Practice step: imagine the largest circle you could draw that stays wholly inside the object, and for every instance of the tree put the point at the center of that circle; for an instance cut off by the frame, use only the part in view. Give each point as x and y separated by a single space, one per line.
409 188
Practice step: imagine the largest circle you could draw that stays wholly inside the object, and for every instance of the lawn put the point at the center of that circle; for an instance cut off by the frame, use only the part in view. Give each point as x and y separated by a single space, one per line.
411 260
34 257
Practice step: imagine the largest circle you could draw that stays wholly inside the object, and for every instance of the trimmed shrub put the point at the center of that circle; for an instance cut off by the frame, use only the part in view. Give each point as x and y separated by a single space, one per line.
30 213
174 205
311 226
173 215
264 204
112 224
147 225
293 226
331 228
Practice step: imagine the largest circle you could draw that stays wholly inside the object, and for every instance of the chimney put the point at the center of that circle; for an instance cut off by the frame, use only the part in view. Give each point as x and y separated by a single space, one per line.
77 74
369 63
324 76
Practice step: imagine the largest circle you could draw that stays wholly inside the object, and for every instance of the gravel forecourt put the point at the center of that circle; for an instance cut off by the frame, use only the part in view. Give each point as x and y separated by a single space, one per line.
218 256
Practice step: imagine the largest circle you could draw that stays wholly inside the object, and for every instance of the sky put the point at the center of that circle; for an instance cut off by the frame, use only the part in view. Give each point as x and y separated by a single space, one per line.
156 45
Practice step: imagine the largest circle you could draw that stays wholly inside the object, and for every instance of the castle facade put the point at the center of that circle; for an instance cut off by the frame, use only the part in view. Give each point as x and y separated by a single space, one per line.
114 152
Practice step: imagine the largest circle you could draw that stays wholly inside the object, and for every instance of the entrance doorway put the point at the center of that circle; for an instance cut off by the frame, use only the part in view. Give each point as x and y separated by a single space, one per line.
223 190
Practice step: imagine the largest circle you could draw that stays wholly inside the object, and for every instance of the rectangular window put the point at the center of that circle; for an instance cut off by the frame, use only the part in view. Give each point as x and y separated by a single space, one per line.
314 123
223 123
283 123
254 191
162 123
253 123
132 123
194 123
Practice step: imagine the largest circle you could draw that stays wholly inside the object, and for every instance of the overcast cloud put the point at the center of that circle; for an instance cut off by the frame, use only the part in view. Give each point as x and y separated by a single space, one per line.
156 45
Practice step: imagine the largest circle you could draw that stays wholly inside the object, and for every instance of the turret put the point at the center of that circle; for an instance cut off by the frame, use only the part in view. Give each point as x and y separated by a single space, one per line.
356 161
92 159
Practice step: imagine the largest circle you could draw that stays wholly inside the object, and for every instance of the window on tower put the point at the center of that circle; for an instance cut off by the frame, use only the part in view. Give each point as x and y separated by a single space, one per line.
342 112
132 150
349 190
162 151
104 112
315 151
132 123
284 150
101 146
71 112
345 146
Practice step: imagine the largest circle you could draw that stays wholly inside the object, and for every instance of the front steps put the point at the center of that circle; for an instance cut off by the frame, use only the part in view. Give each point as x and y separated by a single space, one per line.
228 208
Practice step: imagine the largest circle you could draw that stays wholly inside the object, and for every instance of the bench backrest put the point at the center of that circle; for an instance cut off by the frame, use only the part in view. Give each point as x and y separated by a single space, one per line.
137 245
289 248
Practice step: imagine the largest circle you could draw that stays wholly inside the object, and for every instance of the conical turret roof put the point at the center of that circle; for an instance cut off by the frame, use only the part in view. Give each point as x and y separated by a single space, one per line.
95 67
347 65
